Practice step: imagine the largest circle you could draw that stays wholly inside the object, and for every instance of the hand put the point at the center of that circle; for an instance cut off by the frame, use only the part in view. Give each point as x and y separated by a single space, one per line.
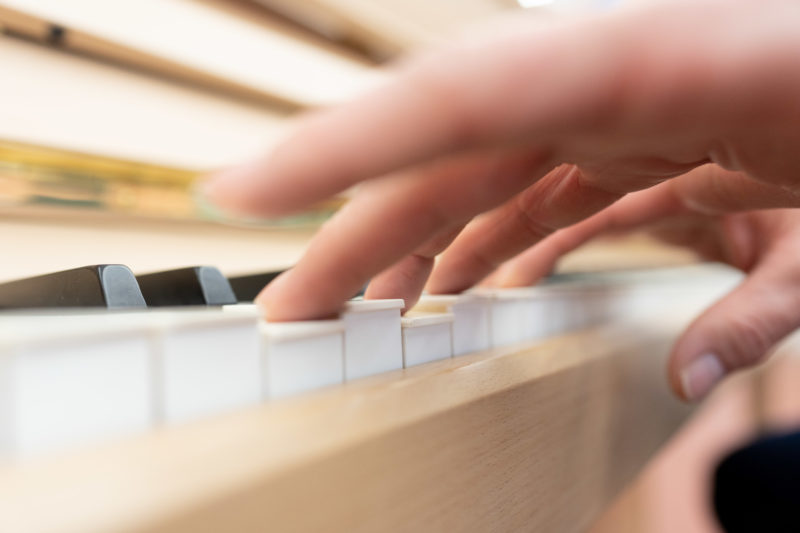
741 328
628 100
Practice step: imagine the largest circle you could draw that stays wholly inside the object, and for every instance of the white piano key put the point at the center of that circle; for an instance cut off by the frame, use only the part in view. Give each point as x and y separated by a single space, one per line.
207 362
572 305
506 320
563 313
535 307
427 337
247 309
568 309
372 342
533 313
298 356
471 328
302 356
72 379
509 314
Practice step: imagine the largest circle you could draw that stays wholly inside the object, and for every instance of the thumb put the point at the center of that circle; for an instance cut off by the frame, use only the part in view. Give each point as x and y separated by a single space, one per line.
738 331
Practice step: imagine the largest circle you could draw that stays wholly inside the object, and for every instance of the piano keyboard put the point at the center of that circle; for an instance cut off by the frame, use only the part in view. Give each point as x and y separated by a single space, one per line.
74 373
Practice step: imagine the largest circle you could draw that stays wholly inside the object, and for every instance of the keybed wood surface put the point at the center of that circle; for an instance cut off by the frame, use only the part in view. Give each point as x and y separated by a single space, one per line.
537 436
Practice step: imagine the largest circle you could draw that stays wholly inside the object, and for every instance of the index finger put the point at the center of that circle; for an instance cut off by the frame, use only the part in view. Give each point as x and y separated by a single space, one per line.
556 86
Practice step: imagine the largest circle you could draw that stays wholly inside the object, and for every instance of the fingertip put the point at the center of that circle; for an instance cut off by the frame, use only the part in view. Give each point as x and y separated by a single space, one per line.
700 375
511 278
268 299
697 362
441 286
490 281
230 189
409 299
245 190
674 378
405 280
445 279
287 299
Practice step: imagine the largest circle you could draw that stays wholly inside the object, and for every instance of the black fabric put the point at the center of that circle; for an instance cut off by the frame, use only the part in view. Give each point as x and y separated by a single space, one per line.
757 488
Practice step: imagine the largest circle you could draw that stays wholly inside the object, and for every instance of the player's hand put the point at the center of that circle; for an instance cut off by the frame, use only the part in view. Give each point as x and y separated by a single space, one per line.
534 129
693 211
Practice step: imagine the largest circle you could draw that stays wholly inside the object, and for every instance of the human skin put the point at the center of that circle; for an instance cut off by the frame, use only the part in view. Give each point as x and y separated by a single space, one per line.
491 147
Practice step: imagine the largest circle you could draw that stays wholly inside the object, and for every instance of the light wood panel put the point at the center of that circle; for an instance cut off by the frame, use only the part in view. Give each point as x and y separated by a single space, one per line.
210 43
390 27
530 437
62 101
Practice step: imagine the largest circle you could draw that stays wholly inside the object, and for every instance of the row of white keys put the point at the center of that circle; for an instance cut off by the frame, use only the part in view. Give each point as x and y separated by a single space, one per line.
487 318
471 319
67 380
71 378
76 378
300 356
371 338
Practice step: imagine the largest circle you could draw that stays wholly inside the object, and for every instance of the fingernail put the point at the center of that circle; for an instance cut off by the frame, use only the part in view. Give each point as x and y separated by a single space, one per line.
206 205
700 376
217 186
229 188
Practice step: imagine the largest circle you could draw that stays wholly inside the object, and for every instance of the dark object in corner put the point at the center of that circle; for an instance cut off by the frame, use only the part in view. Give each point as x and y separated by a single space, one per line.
757 488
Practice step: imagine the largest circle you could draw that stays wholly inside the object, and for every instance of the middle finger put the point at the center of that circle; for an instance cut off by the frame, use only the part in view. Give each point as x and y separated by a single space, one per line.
391 218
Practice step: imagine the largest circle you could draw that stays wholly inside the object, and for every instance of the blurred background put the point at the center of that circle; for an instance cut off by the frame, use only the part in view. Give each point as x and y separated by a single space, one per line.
109 111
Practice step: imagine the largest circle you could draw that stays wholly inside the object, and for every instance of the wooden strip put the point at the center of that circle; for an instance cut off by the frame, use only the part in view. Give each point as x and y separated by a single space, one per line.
207 43
391 27
19 23
531 437
70 103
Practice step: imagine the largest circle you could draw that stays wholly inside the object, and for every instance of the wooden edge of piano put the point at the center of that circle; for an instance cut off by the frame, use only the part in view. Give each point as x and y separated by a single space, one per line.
538 437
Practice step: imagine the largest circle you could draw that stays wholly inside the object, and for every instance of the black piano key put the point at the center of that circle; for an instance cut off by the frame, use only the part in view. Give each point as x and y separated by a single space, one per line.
109 286
199 285
248 286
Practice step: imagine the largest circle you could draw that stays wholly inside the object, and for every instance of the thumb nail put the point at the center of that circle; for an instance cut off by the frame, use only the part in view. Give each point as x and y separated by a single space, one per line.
700 376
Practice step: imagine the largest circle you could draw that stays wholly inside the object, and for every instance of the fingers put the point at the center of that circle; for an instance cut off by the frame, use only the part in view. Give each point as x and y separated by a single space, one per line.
391 218
561 199
635 210
398 215
622 85
557 200
454 100
406 278
742 328
544 208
